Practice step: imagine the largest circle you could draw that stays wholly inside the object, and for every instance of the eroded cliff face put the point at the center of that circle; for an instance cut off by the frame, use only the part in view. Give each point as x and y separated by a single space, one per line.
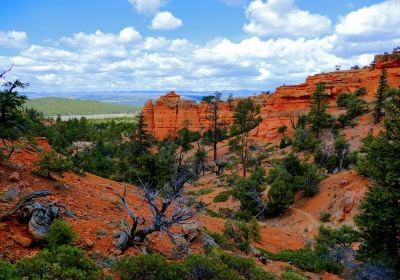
167 115
170 113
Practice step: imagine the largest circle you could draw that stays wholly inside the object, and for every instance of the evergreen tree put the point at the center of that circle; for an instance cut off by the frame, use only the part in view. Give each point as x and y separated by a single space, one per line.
379 221
217 130
184 140
318 116
249 192
200 160
246 117
10 100
380 97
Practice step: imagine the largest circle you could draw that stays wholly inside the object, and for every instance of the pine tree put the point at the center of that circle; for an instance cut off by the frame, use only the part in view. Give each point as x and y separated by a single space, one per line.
318 116
380 97
246 117
217 130
379 220
10 100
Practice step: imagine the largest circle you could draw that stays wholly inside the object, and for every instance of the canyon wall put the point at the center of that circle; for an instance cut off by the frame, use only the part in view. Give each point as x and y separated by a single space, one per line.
170 113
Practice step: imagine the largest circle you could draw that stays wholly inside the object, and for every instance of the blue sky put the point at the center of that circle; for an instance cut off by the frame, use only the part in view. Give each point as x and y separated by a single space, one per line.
76 45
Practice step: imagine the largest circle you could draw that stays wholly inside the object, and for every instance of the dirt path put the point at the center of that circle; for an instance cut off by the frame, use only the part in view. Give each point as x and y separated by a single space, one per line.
313 221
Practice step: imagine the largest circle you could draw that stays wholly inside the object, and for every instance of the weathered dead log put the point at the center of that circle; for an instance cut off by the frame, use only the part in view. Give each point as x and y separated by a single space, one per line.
38 214
23 202
43 214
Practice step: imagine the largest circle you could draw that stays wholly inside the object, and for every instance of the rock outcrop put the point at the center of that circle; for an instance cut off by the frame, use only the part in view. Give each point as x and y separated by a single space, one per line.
166 116
170 113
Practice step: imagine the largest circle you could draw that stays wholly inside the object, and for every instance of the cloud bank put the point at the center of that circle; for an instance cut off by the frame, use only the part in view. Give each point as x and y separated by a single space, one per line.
128 60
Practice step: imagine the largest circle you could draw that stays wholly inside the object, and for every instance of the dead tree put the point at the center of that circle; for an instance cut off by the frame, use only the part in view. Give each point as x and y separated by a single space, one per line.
162 219
257 198
23 202
38 214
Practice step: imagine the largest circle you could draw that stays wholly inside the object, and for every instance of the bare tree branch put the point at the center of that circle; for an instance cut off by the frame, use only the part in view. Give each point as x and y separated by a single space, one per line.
3 73
161 221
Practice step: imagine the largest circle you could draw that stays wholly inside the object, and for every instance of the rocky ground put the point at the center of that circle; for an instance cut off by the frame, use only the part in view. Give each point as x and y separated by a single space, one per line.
98 211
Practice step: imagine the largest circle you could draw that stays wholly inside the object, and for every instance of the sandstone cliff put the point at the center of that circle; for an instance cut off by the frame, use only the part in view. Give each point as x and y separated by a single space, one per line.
170 113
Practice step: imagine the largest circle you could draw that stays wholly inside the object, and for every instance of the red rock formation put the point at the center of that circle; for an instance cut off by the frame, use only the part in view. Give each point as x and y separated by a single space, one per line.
169 113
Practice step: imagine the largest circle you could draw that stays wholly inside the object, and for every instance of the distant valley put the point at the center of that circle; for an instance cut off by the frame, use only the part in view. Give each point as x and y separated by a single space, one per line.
66 107
135 98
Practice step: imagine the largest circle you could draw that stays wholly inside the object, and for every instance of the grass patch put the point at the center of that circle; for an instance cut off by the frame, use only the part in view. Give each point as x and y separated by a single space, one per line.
201 192
211 213
222 196
305 259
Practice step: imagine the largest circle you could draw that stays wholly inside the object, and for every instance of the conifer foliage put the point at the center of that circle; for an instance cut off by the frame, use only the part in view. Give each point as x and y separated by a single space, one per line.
380 96
318 117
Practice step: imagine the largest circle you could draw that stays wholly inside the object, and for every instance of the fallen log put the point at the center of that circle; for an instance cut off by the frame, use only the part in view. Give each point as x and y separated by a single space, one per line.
23 202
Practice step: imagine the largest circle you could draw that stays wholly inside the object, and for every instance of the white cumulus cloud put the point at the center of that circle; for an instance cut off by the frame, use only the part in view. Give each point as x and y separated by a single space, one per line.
13 39
380 21
129 34
282 18
165 21
127 60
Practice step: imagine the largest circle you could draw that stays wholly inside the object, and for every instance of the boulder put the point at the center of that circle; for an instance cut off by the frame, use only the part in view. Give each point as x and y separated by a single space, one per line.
24 241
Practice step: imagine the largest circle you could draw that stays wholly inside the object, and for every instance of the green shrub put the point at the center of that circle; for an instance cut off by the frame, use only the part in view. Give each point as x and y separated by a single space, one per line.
303 140
281 196
60 233
287 177
222 196
62 263
147 267
51 163
246 267
291 275
325 217
7 271
245 190
355 107
204 191
214 266
221 240
240 234
310 180
361 91
308 260
339 239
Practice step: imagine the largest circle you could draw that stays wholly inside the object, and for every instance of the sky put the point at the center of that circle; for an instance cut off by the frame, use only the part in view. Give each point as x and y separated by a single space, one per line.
126 45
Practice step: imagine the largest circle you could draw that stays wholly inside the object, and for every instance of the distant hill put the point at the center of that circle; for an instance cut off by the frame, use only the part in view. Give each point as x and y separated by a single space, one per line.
53 106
